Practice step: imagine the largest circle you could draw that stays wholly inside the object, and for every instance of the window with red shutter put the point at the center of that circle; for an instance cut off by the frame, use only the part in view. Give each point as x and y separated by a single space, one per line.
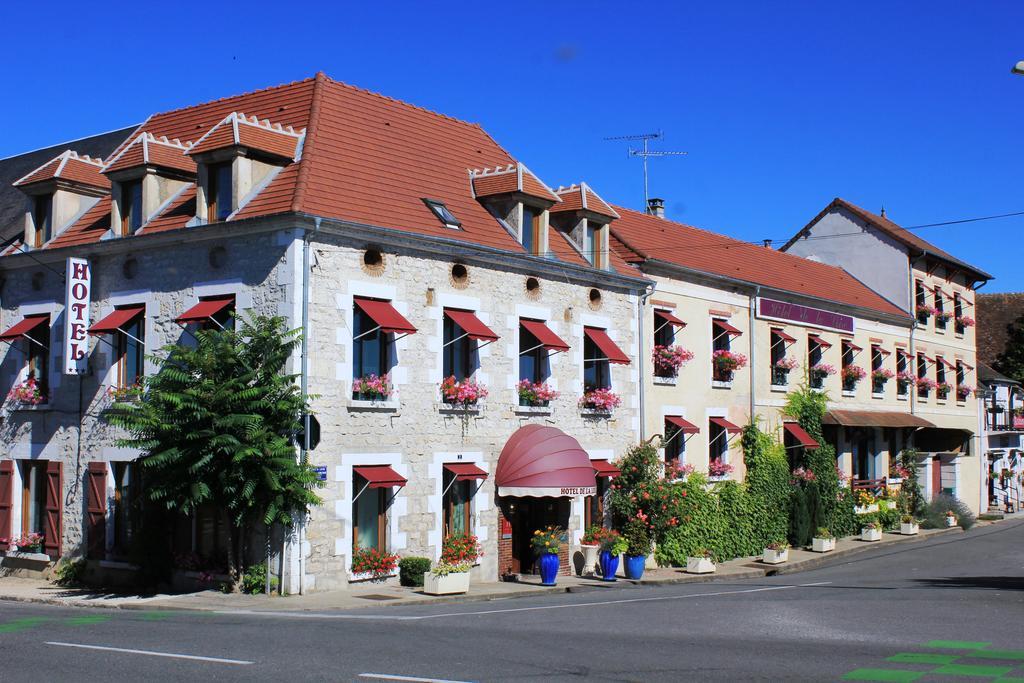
54 508
96 509
6 501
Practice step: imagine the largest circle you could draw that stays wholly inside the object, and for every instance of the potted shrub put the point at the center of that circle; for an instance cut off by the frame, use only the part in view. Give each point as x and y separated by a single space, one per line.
780 371
852 375
590 544
871 532
775 553
950 518
612 546
668 359
638 546
879 378
725 363
865 503
373 564
908 525
371 388
26 393
466 393
545 543
535 394
447 579
823 541
701 562
601 400
411 571
818 373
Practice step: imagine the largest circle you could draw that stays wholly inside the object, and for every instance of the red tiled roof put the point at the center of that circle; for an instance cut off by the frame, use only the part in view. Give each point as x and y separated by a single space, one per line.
146 150
239 130
896 232
87 229
180 211
512 178
640 237
71 167
581 197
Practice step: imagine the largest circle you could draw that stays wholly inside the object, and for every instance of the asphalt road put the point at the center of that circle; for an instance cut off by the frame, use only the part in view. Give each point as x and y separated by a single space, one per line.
952 606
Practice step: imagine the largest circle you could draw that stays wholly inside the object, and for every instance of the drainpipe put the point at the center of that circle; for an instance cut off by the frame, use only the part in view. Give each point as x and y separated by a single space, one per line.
753 348
641 361
304 388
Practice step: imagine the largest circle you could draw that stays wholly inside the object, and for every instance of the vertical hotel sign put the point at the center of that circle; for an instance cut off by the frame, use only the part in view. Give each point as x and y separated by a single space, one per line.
76 316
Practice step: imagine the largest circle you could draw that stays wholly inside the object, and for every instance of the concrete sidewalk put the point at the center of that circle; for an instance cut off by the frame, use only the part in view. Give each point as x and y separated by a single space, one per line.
390 593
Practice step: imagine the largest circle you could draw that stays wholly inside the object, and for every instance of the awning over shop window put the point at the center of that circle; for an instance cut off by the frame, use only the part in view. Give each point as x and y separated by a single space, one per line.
548 339
850 345
726 425
116 320
471 325
540 461
947 363
801 435
609 348
781 334
815 339
669 318
726 327
939 440
380 476
24 326
465 471
882 350
874 418
385 315
603 468
205 309
684 426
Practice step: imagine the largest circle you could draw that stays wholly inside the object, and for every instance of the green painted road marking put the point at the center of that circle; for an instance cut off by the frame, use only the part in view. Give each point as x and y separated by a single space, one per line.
21 624
998 654
955 644
883 675
919 658
87 621
972 670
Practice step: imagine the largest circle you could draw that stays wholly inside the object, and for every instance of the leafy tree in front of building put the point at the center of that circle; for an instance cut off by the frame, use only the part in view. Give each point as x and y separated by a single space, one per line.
216 426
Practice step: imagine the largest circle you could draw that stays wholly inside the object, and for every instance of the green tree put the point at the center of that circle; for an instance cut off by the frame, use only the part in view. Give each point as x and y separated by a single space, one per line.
216 425
1011 361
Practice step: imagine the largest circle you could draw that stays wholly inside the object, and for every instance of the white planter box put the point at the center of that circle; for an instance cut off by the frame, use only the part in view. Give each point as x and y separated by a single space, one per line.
950 521
775 556
381 405
25 555
865 509
590 555
595 413
531 410
908 529
823 545
700 565
668 381
456 582
871 534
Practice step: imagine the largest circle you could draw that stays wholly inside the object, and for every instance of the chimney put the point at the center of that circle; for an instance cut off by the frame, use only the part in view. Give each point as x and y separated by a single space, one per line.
656 207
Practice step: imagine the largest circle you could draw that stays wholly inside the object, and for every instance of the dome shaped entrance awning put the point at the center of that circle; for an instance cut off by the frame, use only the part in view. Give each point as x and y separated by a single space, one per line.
541 461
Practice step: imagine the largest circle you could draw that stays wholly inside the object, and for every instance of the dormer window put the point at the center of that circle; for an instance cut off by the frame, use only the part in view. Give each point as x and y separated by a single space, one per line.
218 192
131 206
595 243
443 214
42 210
584 217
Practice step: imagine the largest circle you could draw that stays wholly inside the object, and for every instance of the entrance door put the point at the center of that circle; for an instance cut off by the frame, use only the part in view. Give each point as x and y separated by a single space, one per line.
863 460
936 476
527 515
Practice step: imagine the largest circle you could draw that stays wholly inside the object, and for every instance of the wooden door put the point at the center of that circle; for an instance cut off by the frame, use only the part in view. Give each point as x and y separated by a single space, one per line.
936 476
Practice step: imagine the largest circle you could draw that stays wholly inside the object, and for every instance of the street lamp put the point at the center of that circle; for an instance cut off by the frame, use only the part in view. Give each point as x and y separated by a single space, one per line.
1018 68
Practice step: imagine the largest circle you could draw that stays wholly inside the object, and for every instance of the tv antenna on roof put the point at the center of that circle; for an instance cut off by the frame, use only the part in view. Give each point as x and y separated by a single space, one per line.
645 153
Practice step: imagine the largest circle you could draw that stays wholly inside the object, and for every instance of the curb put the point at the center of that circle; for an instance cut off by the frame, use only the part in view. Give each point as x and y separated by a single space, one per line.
834 557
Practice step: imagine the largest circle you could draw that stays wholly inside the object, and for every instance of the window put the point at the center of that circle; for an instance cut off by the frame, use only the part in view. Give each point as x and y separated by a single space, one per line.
922 373
131 207
457 503
721 340
664 330
219 201
902 370
877 358
718 442
42 208
780 374
369 515
33 496
443 213
221 319
533 358
37 347
596 367
921 301
131 352
847 355
593 513
593 243
940 309
531 229
675 444
124 513
458 351
814 351
940 378
370 348
961 374
958 313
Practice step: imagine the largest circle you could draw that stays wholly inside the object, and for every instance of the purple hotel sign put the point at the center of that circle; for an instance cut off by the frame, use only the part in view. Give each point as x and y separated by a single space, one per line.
804 315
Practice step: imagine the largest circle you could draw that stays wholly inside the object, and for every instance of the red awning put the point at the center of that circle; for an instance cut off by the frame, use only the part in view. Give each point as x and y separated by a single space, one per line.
882 351
116 320
205 309
684 426
540 460
465 471
947 363
850 345
548 339
471 325
609 348
603 468
380 476
801 435
726 425
385 315
815 339
726 327
24 326
781 334
669 318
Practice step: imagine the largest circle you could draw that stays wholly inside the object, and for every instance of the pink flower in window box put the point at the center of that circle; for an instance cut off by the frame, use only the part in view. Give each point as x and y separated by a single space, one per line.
822 370
925 310
853 374
26 393
668 359
535 393
926 383
465 393
963 391
600 399
717 468
728 361
372 387
965 321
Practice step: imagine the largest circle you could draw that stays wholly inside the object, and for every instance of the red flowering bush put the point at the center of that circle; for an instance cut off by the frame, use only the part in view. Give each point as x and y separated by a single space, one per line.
378 563
460 549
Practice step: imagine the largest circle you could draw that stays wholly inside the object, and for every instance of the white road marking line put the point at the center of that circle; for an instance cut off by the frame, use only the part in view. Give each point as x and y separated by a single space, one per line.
172 655
421 617
393 677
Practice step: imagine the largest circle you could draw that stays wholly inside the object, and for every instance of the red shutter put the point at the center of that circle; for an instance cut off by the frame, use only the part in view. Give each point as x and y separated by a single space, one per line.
96 507
54 507
6 500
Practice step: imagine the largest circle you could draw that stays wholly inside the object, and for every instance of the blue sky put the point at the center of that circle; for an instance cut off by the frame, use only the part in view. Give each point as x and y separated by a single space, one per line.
781 106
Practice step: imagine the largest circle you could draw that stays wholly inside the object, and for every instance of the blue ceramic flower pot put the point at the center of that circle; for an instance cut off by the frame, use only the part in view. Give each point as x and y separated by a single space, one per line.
609 565
635 566
548 569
